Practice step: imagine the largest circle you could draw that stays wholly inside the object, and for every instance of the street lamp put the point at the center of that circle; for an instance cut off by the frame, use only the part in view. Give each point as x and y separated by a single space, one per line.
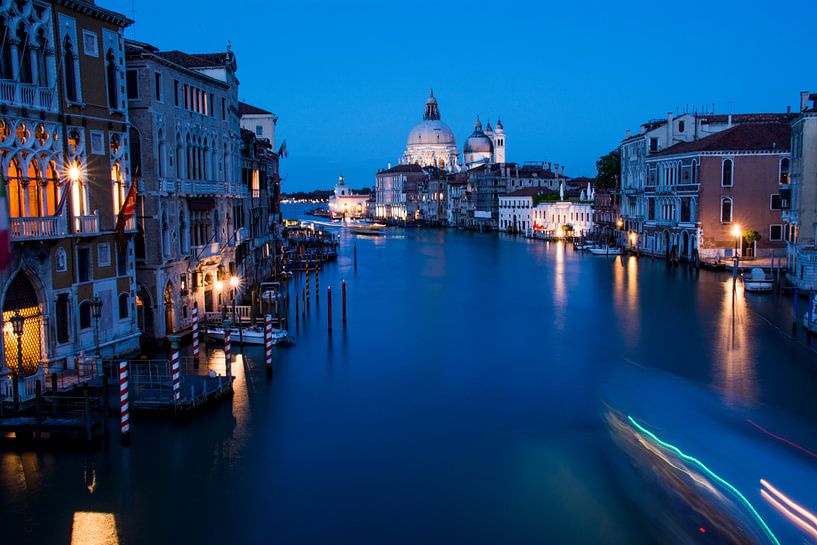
73 172
96 310
234 284
17 324
736 232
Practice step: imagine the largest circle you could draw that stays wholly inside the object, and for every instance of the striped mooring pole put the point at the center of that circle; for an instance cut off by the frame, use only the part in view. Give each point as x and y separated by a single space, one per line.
195 334
228 369
317 282
306 276
175 368
268 342
124 416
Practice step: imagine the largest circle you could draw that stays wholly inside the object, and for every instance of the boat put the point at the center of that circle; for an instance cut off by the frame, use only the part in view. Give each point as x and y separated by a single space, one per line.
810 317
757 280
604 250
249 335
365 228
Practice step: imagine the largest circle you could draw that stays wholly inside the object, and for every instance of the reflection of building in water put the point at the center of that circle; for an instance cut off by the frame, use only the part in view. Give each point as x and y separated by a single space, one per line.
345 203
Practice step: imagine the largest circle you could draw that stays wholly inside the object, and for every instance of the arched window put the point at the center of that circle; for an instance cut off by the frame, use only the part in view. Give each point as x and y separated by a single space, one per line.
726 210
179 155
162 154
42 72
726 174
5 54
118 187
135 141
189 156
784 171
124 306
24 73
111 76
50 190
681 126
15 189
85 315
68 71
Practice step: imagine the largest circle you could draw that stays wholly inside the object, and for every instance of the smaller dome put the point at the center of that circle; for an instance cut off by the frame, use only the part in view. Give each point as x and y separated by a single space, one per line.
478 143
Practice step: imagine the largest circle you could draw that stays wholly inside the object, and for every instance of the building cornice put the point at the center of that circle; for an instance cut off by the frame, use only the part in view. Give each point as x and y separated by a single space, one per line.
86 8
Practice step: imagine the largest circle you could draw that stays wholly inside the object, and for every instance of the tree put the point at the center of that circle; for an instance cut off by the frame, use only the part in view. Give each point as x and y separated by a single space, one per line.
608 169
751 237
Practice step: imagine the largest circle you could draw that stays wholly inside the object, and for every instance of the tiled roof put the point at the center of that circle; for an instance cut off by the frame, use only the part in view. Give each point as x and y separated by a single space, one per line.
249 109
741 137
526 192
403 168
194 60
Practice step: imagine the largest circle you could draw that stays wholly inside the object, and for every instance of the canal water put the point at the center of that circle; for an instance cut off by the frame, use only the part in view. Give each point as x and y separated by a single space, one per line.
462 403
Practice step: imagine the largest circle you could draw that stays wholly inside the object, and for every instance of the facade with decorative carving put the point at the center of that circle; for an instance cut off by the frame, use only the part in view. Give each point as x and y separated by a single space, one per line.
65 159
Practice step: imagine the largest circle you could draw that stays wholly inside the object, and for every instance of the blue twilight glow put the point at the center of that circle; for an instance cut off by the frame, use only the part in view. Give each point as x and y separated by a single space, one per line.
349 79
711 474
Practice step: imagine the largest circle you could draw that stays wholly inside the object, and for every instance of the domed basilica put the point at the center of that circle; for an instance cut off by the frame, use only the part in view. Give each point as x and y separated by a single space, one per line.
431 143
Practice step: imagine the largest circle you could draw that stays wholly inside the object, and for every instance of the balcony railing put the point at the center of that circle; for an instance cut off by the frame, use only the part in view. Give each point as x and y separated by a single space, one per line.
38 227
27 96
168 186
87 225
208 250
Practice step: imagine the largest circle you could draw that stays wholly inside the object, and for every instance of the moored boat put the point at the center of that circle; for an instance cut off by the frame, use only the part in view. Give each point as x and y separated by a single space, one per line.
249 335
366 228
758 280
603 250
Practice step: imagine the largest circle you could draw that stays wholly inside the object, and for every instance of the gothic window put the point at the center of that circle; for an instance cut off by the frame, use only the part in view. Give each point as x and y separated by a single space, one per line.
42 71
71 92
135 141
24 73
111 74
726 174
118 187
61 260
73 140
15 190
5 54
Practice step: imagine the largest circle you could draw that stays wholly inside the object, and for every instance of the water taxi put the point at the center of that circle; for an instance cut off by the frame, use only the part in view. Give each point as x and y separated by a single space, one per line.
603 250
249 335
758 280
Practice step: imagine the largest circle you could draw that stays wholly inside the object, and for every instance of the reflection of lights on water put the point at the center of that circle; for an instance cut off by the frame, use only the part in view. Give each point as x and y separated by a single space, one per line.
711 474
806 519
734 355
94 529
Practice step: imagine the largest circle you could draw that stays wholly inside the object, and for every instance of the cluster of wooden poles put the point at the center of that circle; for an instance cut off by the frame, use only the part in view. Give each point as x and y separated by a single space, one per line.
301 310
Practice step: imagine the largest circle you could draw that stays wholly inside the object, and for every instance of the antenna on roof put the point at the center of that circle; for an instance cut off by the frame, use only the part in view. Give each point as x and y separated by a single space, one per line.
133 17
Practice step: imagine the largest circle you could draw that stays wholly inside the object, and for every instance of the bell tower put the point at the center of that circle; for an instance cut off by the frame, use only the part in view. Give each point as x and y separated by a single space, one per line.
498 138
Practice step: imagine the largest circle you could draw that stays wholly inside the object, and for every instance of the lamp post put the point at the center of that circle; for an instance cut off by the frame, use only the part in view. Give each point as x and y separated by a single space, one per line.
619 225
17 323
96 309
234 284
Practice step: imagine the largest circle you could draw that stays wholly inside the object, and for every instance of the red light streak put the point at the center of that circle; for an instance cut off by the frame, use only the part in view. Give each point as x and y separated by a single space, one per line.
783 439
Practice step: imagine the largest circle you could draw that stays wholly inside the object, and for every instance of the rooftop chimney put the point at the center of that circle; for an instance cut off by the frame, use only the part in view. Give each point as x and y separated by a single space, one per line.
669 129
627 133
729 120
563 170
803 101
556 167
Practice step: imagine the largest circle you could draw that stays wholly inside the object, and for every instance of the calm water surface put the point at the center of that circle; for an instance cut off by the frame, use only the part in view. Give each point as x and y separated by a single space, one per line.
462 404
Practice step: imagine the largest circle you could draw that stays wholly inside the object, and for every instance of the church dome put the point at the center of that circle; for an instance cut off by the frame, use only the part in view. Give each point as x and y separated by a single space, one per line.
478 142
431 131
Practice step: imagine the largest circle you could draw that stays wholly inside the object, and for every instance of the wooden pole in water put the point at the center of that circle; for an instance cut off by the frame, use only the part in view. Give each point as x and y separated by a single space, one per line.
317 282
105 407
329 307
39 414
228 371
355 255
268 343
124 404
175 368
343 300
297 313
306 276
195 334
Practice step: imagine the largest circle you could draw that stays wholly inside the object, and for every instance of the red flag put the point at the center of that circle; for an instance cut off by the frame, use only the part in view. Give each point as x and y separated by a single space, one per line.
127 211
63 198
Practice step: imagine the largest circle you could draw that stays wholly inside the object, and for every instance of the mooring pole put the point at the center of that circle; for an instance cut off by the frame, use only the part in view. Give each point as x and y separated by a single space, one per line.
228 371
329 307
343 300
175 368
268 343
794 323
124 416
195 335
105 404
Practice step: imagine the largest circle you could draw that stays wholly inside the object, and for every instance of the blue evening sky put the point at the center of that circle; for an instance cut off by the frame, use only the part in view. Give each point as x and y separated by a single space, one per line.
348 80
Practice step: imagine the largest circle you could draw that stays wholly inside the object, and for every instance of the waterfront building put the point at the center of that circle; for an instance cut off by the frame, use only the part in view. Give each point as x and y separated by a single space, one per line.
258 120
653 137
192 206
515 210
396 192
345 203
607 214
564 217
65 155
457 199
431 195
697 192
798 190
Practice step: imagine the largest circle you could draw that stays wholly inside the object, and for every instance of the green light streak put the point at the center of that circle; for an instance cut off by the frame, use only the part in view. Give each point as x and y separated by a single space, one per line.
735 492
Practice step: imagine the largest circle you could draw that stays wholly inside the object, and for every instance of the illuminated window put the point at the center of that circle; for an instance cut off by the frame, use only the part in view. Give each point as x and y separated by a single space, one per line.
784 171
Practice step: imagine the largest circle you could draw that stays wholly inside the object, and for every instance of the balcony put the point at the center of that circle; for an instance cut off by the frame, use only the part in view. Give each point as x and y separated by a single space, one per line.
168 186
202 187
24 95
206 251
38 227
87 225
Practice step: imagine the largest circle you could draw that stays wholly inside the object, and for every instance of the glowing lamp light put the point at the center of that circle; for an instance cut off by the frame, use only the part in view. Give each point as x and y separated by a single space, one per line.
234 281
219 285
17 323
73 172
620 224
736 231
